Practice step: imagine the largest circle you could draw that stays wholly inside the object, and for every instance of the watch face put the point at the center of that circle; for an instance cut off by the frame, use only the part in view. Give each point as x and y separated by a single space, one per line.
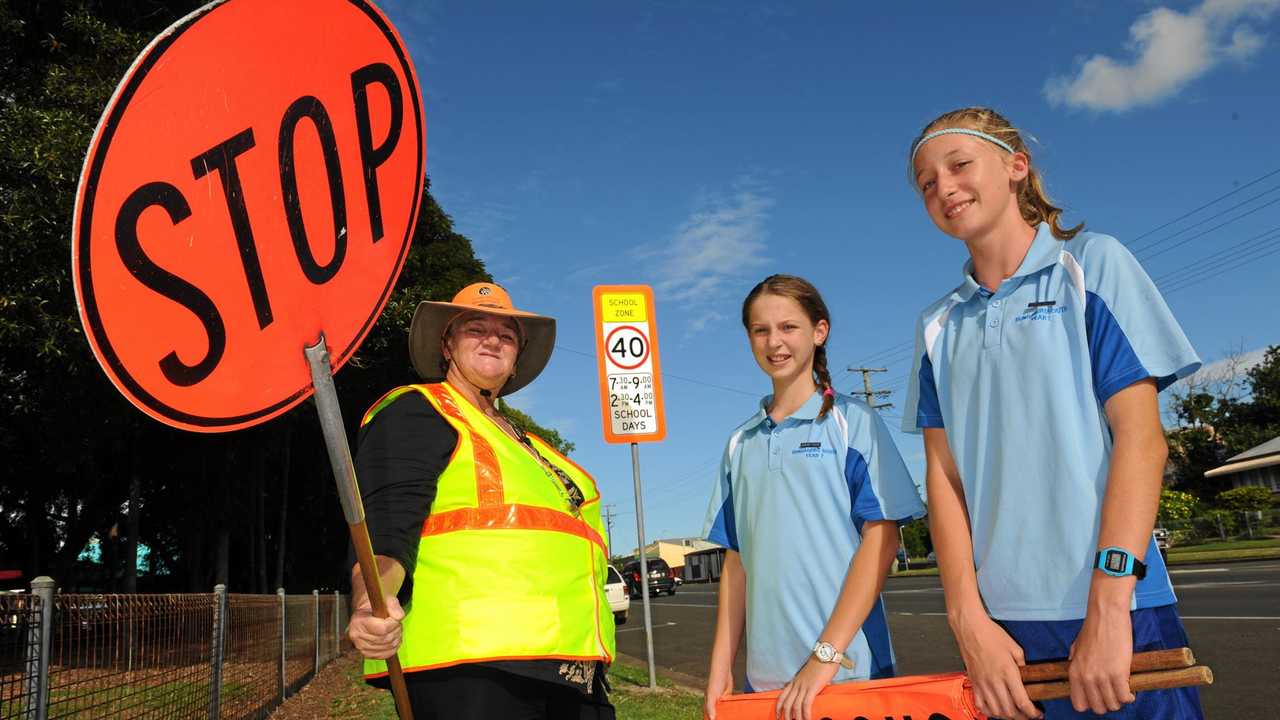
1115 561
825 652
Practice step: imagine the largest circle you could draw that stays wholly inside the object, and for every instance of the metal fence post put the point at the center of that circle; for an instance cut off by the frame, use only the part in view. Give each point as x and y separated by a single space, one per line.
337 628
219 632
315 596
283 633
43 587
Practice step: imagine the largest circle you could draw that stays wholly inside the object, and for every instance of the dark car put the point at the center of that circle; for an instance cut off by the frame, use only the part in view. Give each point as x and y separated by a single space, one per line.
661 578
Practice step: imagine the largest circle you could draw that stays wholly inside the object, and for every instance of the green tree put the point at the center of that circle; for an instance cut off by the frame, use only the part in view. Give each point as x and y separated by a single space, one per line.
1222 417
529 425
212 506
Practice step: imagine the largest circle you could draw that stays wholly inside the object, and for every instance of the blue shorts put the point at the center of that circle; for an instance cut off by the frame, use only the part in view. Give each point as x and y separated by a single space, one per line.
1156 628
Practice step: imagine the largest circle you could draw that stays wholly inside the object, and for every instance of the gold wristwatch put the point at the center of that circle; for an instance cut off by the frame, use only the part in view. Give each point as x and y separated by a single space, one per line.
827 653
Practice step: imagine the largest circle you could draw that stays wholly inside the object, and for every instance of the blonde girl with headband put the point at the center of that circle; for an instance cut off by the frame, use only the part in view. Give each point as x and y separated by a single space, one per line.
810 492
1035 385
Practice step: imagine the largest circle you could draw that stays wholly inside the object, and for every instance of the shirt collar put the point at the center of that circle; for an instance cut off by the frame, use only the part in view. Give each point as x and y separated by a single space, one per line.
807 411
1044 251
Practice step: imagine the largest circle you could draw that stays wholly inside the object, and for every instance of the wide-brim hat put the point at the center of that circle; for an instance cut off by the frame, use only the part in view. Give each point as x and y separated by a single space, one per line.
426 333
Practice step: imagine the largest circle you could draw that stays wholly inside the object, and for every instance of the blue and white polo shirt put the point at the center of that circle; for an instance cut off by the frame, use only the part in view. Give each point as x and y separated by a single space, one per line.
1019 378
791 500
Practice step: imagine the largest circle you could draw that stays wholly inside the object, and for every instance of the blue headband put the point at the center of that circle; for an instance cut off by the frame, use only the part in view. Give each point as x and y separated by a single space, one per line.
958 131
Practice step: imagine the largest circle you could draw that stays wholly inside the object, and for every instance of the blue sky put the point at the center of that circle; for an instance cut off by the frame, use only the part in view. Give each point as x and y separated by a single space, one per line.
698 147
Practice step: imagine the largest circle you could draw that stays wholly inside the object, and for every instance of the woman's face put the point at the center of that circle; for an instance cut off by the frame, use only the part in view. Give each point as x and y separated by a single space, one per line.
783 338
483 349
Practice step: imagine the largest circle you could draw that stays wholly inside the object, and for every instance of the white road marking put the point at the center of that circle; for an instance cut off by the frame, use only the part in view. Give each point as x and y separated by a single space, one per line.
641 627
1231 617
1199 570
1232 583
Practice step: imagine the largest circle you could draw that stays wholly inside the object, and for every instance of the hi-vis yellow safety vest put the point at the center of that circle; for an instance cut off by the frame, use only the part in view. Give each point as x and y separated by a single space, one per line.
506 570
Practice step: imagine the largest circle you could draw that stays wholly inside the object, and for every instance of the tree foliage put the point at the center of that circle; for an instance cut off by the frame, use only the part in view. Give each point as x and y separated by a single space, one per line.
1249 498
1220 417
1177 505
212 507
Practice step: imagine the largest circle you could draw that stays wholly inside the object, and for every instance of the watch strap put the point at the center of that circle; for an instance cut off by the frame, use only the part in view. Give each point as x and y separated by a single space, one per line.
1118 562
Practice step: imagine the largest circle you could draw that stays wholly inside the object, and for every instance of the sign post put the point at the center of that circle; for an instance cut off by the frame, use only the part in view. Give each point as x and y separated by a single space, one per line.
245 207
631 396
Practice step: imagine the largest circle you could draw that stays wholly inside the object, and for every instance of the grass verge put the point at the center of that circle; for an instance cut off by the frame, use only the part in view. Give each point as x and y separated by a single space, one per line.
635 701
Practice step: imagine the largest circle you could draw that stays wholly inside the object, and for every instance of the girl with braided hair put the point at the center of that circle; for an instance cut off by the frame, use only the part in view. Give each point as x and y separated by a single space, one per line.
810 492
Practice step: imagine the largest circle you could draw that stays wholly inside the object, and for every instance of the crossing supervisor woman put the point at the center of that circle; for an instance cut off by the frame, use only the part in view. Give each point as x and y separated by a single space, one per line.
489 542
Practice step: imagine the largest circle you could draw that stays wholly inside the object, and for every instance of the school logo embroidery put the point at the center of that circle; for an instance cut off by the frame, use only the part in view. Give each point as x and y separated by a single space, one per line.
1046 310
813 450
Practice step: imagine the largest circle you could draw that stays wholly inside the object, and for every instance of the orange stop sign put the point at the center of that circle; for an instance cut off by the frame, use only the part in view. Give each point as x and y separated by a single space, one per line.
254 182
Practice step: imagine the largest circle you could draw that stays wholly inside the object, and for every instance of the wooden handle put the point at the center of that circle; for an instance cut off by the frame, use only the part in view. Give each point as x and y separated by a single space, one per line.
1142 662
377 603
1138 682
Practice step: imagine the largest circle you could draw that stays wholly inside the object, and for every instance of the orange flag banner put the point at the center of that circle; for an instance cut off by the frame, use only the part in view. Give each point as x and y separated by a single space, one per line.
920 697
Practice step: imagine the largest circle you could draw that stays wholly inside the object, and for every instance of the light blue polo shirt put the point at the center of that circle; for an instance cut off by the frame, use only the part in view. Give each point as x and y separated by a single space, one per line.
1019 379
791 500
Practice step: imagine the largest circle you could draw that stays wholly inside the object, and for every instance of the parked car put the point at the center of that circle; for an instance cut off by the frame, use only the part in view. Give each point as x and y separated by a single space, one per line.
661 578
1161 536
615 589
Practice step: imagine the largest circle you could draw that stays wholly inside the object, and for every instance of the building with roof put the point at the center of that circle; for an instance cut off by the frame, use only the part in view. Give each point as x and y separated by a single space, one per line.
674 551
1258 467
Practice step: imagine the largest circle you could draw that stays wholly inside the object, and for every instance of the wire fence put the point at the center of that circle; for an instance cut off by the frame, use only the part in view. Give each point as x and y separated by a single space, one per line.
176 656
1222 526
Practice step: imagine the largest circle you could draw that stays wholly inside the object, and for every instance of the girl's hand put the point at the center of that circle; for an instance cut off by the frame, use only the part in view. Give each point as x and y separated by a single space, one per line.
796 700
376 638
992 659
718 685
1100 659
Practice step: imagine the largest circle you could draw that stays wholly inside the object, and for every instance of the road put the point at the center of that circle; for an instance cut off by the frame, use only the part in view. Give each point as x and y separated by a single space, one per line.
1231 612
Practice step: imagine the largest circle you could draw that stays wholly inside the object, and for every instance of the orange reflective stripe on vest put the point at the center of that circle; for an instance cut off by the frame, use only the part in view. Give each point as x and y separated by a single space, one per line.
509 517
506 567
488 472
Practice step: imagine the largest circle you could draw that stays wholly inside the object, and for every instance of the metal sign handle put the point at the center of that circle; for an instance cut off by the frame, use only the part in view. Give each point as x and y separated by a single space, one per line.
344 474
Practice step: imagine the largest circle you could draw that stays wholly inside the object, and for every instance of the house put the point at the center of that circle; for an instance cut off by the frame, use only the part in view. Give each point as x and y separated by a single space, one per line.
675 550
1259 466
704 565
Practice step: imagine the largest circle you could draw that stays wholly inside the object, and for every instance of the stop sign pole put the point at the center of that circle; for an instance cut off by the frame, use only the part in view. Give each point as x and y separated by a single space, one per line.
204 254
344 474
631 397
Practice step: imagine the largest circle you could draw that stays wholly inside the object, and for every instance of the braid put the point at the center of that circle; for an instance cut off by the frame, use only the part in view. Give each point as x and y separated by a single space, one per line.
824 379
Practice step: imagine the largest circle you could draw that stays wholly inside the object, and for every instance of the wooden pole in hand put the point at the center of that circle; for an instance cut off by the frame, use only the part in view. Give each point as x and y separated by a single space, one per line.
344 474
1153 670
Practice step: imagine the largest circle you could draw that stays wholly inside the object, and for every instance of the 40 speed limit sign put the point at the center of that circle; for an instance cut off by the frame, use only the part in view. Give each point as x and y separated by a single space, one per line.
627 356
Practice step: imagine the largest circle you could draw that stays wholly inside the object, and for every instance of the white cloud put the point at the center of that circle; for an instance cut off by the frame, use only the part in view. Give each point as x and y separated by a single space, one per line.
1169 49
720 240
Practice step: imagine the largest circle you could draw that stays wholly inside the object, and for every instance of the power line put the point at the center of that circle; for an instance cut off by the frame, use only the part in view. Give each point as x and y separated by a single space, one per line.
1215 216
1202 263
1215 227
1242 261
874 356
1211 202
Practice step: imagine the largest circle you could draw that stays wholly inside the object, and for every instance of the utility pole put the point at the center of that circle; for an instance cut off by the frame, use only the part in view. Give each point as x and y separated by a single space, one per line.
871 396
867 393
608 521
